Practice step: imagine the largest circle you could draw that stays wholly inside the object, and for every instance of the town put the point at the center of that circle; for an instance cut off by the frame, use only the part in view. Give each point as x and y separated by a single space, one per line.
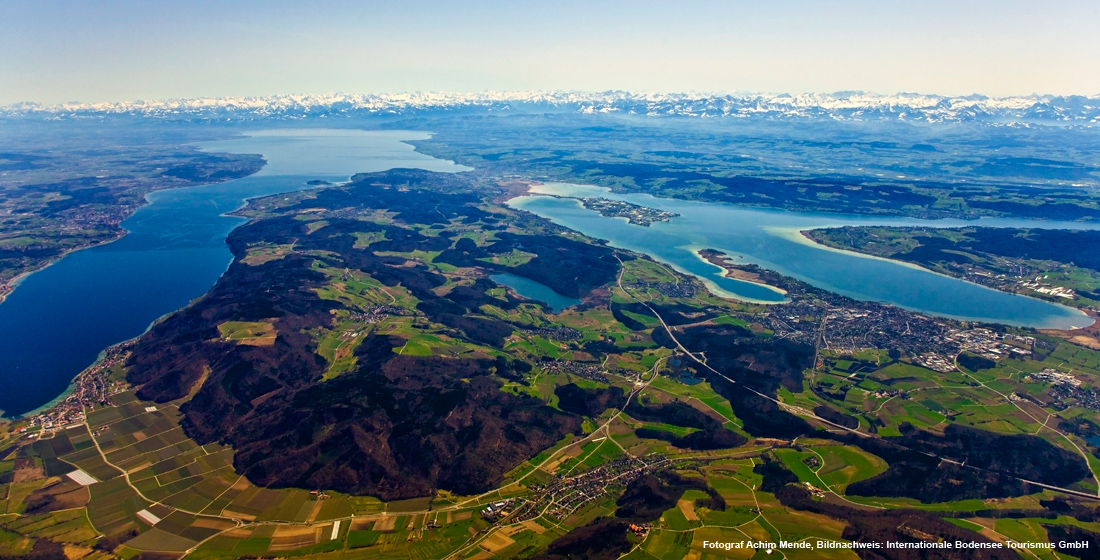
1079 396
991 345
853 325
684 289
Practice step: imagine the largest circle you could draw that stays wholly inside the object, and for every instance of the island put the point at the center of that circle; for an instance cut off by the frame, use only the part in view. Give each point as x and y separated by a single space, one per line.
635 214
357 384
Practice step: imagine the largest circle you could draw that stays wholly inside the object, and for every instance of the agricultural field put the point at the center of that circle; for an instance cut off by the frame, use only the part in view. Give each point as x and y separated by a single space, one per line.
389 399
248 333
147 488
154 490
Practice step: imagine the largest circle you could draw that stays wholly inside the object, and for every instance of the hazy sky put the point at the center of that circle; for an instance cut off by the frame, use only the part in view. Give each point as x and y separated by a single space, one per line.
52 51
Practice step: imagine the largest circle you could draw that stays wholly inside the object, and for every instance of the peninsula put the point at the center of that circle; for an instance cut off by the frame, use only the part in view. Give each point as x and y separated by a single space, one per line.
357 383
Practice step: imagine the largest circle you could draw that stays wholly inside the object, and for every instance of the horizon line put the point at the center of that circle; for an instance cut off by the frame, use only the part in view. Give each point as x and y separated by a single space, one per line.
515 94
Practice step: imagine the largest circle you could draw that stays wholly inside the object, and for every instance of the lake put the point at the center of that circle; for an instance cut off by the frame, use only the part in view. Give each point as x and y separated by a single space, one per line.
535 290
60 318
771 239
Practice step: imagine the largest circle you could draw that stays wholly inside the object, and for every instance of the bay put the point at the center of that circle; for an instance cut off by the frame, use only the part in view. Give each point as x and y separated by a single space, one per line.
771 239
60 318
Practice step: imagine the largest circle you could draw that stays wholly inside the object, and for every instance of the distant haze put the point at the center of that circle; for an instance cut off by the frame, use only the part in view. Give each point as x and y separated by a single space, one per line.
56 51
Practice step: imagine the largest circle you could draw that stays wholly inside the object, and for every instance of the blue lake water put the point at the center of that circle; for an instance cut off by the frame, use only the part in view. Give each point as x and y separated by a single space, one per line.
535 290
60 318
771 239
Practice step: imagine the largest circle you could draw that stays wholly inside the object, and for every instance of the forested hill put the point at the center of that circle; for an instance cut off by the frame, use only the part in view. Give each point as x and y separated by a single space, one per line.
396 264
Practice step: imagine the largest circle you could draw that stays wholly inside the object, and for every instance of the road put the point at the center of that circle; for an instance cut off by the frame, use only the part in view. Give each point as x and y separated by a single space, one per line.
809 414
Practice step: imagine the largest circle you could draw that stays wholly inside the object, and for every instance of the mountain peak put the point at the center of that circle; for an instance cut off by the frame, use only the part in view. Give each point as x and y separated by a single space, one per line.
843 105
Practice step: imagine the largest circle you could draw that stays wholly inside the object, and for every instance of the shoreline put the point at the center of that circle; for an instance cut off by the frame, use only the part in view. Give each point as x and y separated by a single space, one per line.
1086 336
516 188
803 237
74 382
9 287
55 415
14 283
1061 316
722 260
107 352
737 276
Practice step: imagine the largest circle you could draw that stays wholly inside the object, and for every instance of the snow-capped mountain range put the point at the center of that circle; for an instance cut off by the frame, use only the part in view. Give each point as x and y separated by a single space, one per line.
1080 110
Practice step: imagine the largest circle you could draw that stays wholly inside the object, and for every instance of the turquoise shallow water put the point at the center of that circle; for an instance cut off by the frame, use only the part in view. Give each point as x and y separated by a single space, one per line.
771 239
59 319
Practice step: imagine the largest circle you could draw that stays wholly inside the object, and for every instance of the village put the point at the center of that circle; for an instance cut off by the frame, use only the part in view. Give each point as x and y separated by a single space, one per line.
564 334
93 387
583 370
377 314
566 496
1066 390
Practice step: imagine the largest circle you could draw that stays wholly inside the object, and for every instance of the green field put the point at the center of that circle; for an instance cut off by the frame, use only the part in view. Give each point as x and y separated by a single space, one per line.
248 332
158 491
